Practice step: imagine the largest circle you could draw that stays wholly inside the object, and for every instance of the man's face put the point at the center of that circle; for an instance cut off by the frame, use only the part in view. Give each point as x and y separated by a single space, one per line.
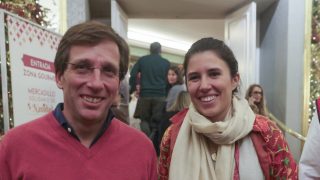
91 82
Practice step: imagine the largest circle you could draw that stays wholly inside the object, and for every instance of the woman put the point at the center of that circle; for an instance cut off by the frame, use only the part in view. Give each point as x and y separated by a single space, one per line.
219 136
181 102
176 85
255 97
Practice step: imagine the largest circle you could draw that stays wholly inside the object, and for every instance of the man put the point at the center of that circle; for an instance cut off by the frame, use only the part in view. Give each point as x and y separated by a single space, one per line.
153 71
81 139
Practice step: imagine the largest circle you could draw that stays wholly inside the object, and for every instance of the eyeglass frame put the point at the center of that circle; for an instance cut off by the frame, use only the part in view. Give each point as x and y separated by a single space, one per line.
90 70
257 92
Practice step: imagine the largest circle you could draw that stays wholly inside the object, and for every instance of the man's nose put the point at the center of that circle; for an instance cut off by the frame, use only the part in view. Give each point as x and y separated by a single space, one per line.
96 80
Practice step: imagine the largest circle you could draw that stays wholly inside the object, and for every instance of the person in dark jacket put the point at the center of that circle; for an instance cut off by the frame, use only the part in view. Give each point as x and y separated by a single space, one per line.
181 102
153 82
175 86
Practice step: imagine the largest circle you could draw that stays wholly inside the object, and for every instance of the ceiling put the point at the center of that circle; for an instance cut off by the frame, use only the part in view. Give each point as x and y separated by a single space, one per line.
175 9
181 20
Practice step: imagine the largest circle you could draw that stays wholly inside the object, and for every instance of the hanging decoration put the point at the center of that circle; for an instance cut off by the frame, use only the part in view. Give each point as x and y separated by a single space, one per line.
28 9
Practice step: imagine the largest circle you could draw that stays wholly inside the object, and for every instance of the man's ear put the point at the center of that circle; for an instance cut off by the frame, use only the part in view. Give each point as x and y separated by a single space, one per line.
59 79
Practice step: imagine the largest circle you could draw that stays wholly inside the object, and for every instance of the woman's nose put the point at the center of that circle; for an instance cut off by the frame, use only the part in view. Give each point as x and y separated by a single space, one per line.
204 83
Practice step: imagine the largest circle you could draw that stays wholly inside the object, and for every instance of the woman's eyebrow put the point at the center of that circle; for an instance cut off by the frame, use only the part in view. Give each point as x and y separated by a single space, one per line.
192 73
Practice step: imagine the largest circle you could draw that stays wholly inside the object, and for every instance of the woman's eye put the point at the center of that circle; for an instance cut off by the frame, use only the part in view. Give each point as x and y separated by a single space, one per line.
214 74
193 78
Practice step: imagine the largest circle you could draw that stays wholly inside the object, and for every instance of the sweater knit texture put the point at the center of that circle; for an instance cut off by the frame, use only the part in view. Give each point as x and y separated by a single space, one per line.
42 149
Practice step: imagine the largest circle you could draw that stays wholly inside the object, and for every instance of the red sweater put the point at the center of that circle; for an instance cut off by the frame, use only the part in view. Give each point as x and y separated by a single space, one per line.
42 149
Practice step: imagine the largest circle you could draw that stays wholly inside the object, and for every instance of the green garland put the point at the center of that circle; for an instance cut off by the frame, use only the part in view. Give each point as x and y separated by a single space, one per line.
29 9
315 58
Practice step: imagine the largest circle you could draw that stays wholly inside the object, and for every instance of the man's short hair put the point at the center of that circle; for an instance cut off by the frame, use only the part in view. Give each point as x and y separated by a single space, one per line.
155 48
90 33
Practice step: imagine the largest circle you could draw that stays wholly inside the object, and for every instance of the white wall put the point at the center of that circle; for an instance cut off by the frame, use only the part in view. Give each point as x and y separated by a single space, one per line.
281 63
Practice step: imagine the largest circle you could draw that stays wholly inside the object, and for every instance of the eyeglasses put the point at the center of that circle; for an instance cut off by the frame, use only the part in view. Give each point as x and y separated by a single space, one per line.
85 70
257 92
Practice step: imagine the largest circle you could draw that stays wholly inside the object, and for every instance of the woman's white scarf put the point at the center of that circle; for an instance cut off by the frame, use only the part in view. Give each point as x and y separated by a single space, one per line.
191 158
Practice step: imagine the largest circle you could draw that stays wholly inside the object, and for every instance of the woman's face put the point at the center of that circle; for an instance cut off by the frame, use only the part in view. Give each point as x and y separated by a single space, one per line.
257 94
210 85
172 77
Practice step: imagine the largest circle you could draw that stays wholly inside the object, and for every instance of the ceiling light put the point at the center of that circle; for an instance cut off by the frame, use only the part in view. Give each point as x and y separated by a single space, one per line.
150 37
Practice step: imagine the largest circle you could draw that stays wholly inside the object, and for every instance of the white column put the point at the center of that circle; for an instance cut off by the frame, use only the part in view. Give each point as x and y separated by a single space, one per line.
77 12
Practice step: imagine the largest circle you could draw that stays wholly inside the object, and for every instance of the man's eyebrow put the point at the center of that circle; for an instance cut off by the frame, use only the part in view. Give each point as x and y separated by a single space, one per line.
80 60
110 66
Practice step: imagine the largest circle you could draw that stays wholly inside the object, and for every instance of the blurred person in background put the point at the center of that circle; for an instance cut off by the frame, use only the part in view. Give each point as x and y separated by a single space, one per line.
175 86
256 100
153 69
182 102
